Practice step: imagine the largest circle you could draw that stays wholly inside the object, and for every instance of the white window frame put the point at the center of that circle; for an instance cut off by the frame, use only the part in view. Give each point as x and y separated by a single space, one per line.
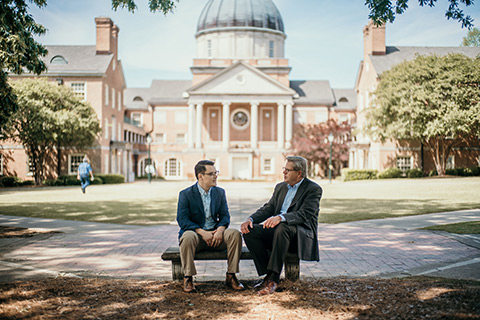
183 141
114 98
271 49
178 170
119 101
79 93
272 165
161 140
450 162
107 91
140 117
404 163
79 159
106 128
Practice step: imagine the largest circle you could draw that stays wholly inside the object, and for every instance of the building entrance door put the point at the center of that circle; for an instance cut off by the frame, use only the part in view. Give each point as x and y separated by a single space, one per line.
240 169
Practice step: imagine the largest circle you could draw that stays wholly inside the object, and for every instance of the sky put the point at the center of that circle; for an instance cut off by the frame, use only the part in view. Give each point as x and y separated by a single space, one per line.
324 37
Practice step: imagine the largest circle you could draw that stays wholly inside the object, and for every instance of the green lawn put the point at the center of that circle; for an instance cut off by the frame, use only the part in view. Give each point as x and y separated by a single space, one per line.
460 228
147 204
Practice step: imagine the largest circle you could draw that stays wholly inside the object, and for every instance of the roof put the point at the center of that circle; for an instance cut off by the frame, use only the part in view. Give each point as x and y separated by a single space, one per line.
78 60
261 14
396 55
313 92
345 99
168 92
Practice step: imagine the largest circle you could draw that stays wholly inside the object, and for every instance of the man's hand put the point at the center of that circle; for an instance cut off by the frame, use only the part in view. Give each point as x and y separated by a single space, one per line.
272 222
207 236
217 236
246 226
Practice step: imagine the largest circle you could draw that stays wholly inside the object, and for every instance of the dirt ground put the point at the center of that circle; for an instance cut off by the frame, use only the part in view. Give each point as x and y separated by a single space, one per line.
14 232
365 298
94 298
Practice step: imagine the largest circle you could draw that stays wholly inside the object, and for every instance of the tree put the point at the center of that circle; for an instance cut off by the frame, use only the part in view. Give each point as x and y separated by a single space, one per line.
49 115
472 39
382 11
19 52
311 142
431 99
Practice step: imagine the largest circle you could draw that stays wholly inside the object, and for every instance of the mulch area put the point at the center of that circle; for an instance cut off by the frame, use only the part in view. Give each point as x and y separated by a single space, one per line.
15 232
97 298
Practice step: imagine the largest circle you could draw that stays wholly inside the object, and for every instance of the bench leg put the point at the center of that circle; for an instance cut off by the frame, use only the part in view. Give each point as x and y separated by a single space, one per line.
292 269
177 272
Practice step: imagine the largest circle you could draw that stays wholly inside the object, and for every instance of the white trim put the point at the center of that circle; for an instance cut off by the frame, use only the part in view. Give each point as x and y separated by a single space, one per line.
232 115
239 156
84 89
272 165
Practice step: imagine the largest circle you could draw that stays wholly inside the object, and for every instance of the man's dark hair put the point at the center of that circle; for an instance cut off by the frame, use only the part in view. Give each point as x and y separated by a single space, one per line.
200 166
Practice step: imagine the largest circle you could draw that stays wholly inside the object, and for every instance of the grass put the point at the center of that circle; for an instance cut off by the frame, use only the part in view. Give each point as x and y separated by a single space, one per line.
147 204
460 228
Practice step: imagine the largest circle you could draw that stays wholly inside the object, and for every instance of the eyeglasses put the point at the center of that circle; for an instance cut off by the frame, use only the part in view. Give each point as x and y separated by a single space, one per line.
214 173
288 170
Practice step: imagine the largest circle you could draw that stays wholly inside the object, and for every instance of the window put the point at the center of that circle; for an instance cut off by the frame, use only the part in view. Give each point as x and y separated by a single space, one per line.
107 91
73 163
58 60
181 117
172 167
209 48
343 99
160 138
321 116
180 138
450 162
267 165
160 116
31 167
271 49
105 129
404 163
240 119
80 90
114 98
137 98
137 119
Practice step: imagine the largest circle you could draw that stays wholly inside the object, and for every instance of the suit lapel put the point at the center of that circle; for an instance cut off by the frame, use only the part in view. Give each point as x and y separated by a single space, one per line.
213 194
282 193
300 191
198 198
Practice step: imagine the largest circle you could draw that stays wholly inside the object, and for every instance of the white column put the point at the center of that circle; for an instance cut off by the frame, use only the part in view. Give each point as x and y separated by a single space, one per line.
254 125
191 124
226 125
288 125
198 126
281 125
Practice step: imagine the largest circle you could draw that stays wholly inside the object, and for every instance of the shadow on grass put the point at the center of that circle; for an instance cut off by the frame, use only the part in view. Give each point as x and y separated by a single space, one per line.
347 210
118 212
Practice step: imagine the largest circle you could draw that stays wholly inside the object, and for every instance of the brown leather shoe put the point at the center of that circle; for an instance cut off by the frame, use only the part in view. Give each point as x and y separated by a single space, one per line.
188 284
269 288
231 281
259 285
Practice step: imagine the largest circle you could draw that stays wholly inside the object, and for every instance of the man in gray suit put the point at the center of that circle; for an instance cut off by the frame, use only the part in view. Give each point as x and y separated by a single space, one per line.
290 221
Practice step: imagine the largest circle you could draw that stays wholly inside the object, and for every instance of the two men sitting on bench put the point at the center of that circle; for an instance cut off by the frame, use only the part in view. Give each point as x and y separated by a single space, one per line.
289 223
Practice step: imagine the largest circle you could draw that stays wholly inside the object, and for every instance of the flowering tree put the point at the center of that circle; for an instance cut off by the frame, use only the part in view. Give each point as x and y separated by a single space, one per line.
311 142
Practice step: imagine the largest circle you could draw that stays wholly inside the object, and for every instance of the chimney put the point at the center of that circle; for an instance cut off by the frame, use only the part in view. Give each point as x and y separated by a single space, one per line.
374 39
107 36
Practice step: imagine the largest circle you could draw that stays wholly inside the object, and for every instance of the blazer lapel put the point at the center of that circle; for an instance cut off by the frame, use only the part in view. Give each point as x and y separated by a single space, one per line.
300 191
198 198
282 193
213 197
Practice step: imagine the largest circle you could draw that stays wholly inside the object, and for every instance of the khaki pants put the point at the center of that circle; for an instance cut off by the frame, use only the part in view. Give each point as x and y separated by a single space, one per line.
191 242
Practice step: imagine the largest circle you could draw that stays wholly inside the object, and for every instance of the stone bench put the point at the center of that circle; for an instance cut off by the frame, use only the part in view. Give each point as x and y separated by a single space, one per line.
292 263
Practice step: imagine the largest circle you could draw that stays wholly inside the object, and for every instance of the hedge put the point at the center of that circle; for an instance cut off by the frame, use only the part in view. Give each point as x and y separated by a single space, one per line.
390 173
415 173
71 180
351 174
464 172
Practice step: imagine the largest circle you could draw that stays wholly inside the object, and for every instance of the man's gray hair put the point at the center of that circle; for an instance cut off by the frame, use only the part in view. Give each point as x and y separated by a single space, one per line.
299 164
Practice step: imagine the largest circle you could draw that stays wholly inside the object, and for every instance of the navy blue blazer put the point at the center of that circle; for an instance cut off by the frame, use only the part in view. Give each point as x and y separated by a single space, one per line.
190 211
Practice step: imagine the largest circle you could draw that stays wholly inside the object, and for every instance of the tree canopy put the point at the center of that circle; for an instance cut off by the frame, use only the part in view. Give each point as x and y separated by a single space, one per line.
311 142
49 115
432 99
472 39
382 11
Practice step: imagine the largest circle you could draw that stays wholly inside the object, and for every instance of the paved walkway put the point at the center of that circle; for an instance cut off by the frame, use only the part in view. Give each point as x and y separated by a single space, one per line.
382 248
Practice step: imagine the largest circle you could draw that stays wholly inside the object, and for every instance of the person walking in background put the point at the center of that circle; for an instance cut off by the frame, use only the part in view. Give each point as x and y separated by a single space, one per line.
84 174
203 218
290 221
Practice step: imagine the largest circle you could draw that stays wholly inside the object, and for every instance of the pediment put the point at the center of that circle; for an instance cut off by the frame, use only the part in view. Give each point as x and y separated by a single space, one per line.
241 79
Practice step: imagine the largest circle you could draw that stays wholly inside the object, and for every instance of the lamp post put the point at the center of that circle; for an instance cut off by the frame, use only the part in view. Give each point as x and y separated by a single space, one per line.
149 160
330 140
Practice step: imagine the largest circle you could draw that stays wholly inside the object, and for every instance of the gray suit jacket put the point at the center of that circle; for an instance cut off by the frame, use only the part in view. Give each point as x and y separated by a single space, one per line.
303 213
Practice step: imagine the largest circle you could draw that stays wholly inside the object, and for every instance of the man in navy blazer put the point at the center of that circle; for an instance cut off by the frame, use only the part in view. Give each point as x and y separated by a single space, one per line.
290 221
203 217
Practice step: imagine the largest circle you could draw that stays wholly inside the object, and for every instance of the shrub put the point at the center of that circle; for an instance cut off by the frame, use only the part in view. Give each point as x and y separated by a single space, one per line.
111 178
50 182
350 174
11 181
464 172
27 183
433 173
390 173
415 173
97 180
475 171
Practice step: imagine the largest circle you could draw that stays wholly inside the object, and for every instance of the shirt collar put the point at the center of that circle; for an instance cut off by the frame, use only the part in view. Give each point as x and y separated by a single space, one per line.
295 186
202 191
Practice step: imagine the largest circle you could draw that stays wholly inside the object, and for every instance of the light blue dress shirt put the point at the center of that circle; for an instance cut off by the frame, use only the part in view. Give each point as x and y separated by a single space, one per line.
292 191
206 199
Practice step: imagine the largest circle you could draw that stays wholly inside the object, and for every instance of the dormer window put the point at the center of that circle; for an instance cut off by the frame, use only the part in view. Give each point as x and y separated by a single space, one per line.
343 99
137 98
58 60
